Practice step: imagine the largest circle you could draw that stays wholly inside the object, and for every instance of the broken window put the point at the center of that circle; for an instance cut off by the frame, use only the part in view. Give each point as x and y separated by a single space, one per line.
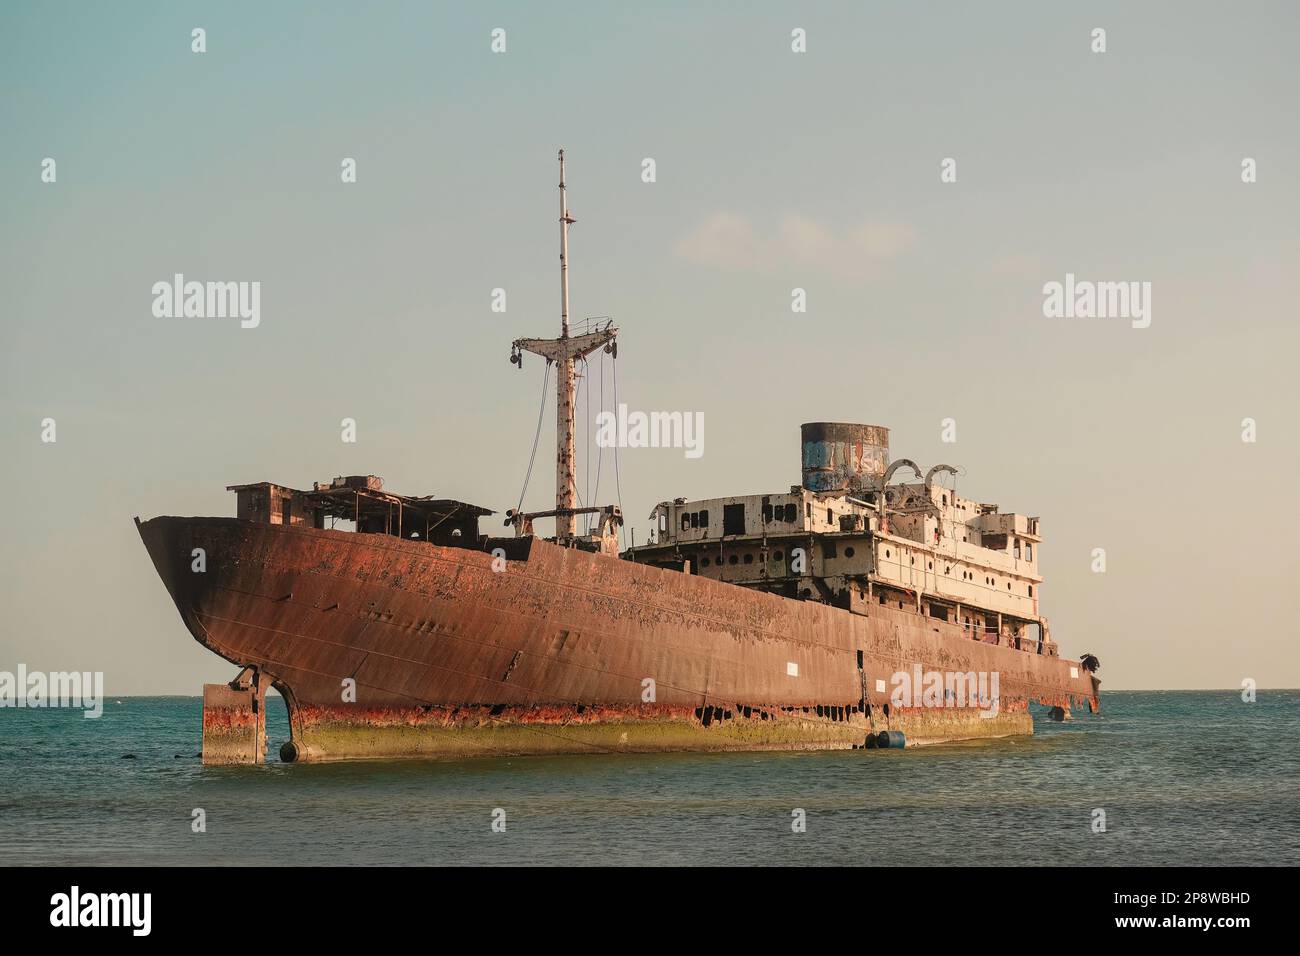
733 519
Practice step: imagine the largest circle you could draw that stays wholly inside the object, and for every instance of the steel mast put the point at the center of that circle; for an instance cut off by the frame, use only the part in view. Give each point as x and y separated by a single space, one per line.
565 351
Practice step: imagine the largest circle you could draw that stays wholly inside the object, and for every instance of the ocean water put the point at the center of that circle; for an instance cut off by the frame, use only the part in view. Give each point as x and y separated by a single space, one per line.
1183 778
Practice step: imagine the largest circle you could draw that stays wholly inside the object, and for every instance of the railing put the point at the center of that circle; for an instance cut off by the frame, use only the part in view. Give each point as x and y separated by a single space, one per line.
980 632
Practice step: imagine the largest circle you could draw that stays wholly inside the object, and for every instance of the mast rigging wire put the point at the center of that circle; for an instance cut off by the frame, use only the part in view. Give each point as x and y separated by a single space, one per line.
613 364
541 412
600 450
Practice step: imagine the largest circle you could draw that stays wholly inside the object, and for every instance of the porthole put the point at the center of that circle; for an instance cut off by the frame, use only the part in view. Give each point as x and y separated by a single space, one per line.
778 556
731 559
749 559
704 562
848 552
930 565
886 552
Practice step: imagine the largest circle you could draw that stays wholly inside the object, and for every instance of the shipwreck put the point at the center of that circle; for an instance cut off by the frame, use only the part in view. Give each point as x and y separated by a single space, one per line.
398 626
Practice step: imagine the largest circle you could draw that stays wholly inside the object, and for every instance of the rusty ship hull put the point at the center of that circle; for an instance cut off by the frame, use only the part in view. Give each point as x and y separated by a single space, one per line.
384 647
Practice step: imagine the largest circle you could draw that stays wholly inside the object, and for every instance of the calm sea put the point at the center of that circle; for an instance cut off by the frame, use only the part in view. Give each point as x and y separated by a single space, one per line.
1183 778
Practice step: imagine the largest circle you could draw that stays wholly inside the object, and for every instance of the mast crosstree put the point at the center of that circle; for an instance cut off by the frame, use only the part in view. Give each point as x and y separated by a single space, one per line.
564 351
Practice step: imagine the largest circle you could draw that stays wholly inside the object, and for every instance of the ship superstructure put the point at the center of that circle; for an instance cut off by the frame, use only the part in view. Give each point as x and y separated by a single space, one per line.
851 536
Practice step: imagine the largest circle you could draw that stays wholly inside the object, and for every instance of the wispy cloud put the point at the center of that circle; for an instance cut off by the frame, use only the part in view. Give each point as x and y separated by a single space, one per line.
731 241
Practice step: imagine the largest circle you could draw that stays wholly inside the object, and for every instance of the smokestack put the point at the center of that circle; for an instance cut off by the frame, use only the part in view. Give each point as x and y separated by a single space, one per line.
839 456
